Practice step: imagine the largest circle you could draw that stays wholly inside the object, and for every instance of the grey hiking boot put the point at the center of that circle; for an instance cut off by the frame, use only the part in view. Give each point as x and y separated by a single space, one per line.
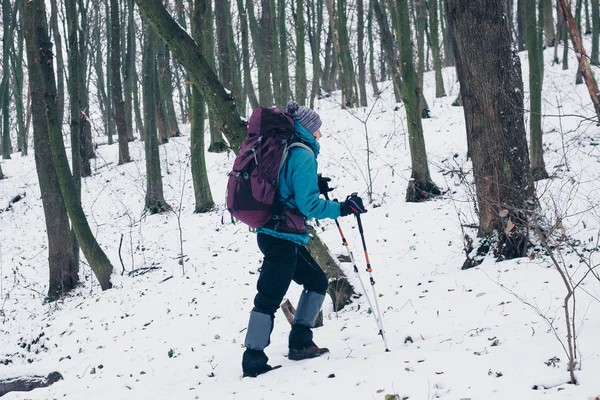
301 345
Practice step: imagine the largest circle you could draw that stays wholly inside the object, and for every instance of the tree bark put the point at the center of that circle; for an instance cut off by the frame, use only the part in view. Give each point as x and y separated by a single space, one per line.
301 85
536 76
116 86
496 133
581 55
4 85
520 25
63 270
155 200
190 55
40 65
595 60
286 92
60 65
371 41
421 24
387 43
420 186
16 57
202 193
435 48
248 85
315 23
549 32
341 43
362 73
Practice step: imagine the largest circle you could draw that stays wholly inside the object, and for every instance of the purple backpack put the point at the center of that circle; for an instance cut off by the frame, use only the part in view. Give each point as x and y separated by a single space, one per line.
252 185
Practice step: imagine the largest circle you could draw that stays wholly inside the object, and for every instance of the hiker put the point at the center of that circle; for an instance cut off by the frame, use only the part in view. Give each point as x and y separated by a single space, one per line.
282 242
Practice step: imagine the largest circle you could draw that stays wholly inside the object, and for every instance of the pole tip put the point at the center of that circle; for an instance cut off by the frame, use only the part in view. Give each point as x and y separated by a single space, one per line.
387 350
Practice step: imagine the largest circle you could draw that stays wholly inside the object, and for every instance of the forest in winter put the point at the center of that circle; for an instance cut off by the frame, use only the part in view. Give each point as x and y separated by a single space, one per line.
470 129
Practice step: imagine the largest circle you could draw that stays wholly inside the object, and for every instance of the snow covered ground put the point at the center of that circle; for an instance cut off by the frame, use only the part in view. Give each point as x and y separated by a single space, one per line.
166 334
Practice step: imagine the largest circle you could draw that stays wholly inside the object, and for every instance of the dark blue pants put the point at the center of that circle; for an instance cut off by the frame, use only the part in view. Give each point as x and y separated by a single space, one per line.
285 261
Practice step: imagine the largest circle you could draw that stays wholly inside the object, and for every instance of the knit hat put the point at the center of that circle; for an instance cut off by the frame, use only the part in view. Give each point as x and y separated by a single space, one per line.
305 116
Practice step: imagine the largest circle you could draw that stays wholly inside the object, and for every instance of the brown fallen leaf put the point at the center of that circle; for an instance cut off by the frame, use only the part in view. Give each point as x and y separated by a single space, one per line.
439 372
492 338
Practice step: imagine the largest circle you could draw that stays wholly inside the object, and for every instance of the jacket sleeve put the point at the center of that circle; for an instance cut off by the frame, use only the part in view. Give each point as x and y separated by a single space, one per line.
306 190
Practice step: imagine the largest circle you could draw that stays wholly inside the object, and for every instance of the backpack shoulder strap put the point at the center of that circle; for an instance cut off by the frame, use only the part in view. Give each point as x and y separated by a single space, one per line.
299 144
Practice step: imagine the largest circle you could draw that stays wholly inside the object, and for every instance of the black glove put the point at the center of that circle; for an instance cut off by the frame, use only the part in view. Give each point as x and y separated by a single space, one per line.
323 183
352 205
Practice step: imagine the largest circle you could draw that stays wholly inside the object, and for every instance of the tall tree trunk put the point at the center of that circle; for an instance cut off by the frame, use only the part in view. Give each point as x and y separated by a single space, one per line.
217 144
435 48
265 92
109 55
63 271
4 85
579 75
341 43
40 66
448 52
315 22
500 159
581 54
116 87
371 41
60 65
587 18
85 134
165 82
202 193
387 44
128 74
187 51
595 60
155 200
536 76
248 85
421 24
549 32
16 57
275 55
420 186
301 85
362 73
520 25
565 39
330 65
286 91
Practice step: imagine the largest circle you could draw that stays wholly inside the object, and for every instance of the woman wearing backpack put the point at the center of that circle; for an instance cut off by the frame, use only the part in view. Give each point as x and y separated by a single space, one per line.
282 242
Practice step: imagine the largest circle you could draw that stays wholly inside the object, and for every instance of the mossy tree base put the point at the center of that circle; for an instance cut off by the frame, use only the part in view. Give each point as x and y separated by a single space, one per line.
418 191
539 174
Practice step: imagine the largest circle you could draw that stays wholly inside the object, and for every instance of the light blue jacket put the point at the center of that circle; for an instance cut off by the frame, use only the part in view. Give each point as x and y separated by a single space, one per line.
298 183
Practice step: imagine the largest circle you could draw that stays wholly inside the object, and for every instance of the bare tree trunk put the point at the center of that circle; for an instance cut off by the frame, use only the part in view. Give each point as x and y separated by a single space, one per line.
248 85
60 65
40 65
387 44
155 200
420 186
500 159
202 193
116 87
581 54
187 51
362 73
301 84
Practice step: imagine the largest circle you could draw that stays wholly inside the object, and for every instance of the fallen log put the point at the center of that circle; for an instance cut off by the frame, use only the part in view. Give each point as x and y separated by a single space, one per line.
28 383
340 290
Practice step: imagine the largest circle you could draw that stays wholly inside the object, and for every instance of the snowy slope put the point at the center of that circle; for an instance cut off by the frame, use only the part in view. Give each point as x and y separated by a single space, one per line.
164 334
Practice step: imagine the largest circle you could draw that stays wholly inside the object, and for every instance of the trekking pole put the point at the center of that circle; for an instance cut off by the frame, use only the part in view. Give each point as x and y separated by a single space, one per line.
378 321
370 271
